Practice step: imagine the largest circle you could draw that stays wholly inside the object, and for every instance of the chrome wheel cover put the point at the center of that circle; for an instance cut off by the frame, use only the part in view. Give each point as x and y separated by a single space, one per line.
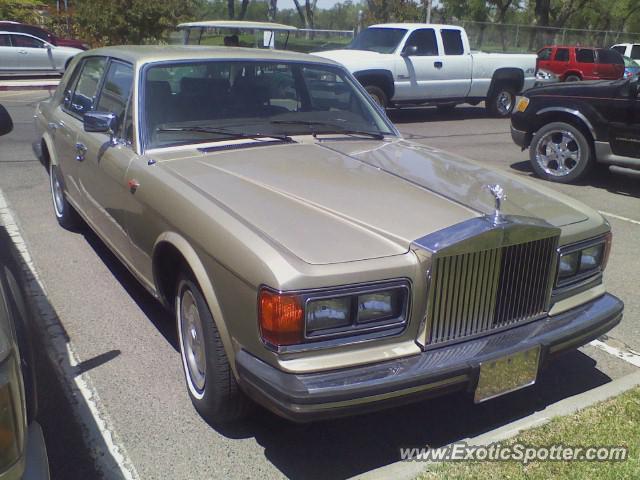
504 102
56 193
558 153
192 341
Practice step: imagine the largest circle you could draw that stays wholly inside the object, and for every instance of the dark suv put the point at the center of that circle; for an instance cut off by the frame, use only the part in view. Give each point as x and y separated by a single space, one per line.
43 34
581 63
570 127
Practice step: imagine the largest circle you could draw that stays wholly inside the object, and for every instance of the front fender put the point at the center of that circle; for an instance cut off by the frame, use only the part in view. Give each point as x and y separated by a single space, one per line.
197 267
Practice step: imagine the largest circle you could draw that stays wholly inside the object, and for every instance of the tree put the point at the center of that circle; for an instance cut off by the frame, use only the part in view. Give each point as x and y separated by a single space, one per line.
21 10
306 14
273 10
131 21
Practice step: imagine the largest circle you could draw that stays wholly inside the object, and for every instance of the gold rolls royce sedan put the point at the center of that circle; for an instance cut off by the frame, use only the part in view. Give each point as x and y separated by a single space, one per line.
316 261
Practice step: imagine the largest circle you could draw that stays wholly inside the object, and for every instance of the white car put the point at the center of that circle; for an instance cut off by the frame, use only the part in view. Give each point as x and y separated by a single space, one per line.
631 50
417 63
24 54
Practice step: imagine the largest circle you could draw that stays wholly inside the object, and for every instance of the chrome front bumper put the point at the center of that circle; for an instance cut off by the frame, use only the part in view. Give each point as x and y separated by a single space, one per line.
313 396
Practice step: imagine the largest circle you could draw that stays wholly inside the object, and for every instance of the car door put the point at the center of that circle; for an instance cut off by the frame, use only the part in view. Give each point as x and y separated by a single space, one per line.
33 54
67 122
8 54
623 114
419 69
561 61
456 65
586 62
106 160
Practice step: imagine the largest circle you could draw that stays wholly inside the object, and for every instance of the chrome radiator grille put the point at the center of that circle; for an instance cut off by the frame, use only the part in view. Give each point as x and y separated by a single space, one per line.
477 292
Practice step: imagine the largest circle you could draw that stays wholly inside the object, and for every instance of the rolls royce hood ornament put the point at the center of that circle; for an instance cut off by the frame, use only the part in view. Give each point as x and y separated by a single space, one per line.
499 195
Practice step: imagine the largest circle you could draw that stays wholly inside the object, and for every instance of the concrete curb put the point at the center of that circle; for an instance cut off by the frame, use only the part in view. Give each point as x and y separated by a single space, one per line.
40 84
409 470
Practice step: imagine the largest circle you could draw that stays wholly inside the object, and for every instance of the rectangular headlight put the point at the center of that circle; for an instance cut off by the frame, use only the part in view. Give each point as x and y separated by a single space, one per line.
568 266
291 318
591 258
581 261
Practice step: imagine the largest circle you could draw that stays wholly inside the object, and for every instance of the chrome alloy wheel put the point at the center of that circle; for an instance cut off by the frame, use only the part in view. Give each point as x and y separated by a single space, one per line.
56 192
504 102
558 153
192 342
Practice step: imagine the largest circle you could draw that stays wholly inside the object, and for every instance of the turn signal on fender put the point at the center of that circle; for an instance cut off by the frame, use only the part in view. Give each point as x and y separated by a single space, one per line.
281 318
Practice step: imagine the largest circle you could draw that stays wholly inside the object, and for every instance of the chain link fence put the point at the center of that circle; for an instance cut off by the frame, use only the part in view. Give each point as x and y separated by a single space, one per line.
491 37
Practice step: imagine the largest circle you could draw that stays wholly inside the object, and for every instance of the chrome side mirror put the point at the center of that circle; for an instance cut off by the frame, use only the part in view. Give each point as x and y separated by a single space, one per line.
101 122
6 124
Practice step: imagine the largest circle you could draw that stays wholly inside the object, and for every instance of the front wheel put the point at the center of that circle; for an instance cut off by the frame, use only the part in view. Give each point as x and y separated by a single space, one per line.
213 389
378 95
501 101
65 214
560 152
572 78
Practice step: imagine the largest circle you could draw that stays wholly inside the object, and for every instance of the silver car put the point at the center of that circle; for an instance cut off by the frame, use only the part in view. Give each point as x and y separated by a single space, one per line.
24 54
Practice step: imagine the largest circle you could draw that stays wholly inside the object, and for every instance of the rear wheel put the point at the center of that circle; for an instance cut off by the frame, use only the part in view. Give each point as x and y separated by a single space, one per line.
212 387
65 214
378 95
572 78
560 152
501 101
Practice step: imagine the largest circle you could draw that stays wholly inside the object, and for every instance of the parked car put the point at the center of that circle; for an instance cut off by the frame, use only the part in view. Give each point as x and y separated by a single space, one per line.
42 34
631 68
314 260
24 54
415 63
631 50
581 63
568 128
23 454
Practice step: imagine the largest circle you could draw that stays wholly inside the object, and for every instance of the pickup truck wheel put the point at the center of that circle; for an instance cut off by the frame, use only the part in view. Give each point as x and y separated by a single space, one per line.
212 387
501 101
378 95
65 214
561 153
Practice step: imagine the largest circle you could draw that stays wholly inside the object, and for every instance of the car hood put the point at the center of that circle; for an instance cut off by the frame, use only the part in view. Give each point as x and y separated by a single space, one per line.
338 201
590 89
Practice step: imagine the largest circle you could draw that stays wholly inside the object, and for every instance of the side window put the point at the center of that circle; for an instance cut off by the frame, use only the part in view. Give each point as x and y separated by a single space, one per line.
117 88
635 52
5 41
83 97
425 41
562 55
544 54
27 42
585 55
609 57
452 40
619 48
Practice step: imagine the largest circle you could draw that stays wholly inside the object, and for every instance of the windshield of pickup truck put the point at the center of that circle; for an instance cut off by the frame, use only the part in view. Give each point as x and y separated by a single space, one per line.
209 101
381 40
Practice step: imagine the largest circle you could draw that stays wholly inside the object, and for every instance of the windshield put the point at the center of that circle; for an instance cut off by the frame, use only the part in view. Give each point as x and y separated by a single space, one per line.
205 101
381 40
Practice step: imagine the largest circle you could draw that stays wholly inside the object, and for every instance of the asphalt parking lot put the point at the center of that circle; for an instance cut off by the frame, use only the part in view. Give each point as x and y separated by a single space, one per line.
127 346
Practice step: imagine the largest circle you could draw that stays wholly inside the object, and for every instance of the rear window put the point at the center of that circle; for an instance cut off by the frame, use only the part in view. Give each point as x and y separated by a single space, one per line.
562 55
619 48
585 55
635 52
452 40
610 57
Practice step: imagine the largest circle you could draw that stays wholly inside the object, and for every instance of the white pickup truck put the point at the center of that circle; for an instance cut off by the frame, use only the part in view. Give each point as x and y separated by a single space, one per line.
417 63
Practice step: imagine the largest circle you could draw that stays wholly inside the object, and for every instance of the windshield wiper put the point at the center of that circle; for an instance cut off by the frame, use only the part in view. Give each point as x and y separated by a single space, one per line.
341 131
226 133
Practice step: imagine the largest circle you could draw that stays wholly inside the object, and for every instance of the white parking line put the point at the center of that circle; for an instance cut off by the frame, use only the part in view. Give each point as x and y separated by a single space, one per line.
629 356
613 215
115 464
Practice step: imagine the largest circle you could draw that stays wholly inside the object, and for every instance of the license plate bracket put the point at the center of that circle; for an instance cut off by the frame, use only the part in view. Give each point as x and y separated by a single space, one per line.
507 374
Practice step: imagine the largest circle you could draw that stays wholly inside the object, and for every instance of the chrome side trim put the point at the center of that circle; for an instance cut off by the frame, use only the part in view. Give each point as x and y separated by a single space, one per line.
570 111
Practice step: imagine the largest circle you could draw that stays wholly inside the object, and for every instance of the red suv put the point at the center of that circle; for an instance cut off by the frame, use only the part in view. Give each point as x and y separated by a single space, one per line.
581 63
42 34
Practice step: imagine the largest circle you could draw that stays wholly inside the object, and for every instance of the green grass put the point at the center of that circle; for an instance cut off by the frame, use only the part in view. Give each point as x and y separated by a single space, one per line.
615 422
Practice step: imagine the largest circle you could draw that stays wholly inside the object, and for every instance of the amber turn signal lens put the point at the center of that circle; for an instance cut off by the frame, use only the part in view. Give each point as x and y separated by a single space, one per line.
608 241
281 318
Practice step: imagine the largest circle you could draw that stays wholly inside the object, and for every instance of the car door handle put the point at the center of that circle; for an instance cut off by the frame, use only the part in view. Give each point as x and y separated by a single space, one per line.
81 151
53 126
22 52
437 64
